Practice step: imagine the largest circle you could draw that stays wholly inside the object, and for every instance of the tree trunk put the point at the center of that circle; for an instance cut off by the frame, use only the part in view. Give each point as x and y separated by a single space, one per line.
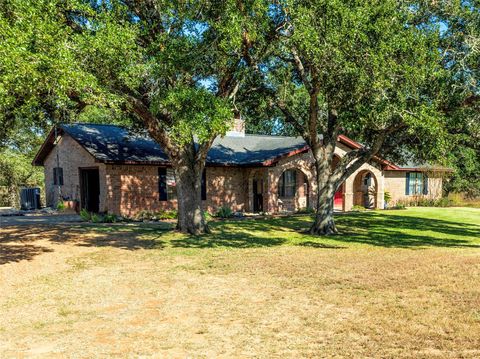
190 215
324 224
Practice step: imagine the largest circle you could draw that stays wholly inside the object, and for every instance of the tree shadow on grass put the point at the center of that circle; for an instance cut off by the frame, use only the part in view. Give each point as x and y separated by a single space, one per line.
19 243
16 244
126 237
406 231
231 239
17 253
370 228
320 245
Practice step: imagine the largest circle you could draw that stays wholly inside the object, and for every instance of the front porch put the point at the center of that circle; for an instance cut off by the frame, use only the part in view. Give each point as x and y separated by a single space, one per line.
290 187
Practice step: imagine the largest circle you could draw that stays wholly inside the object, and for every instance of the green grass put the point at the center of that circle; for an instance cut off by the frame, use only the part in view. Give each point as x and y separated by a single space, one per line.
411 228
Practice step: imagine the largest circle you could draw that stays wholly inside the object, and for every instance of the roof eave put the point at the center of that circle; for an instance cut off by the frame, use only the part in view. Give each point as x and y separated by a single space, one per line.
46 148
420 169
273 161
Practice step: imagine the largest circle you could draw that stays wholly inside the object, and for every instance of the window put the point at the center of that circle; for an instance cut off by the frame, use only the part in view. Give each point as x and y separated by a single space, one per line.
417 183
58 176
287 184
166 184
367 180
204 185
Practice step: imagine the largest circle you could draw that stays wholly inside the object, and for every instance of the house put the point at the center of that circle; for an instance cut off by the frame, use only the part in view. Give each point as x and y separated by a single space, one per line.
108 169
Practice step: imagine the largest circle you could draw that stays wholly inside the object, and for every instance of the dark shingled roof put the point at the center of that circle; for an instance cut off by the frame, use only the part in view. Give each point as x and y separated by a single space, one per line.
115 144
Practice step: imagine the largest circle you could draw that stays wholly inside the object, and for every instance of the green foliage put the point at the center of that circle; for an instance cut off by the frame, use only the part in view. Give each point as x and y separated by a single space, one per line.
207 216
358 208
387 196
40 72
145 215
109 218
85 215
224 212
369 65
16 172
172 57
306 210
60 206
460 200
96 218
169 214
421 201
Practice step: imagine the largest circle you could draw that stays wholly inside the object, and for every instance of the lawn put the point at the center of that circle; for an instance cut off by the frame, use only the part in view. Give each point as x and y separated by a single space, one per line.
394 284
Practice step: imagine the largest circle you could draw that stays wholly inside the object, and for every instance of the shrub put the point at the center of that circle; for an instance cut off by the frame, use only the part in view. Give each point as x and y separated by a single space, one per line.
444 202
428 202
60 206
170 214
156 216
224 212
207 216
387 196
306 210
145 216
85 215
109 218
358 208
96 218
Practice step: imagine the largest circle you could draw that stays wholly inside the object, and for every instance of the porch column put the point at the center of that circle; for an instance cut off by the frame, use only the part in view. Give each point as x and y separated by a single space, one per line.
271 192
348 194
250 190
380 200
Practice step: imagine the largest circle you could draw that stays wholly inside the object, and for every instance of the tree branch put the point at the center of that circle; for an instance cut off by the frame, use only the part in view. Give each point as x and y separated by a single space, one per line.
289 117
153 125
354 159
301 70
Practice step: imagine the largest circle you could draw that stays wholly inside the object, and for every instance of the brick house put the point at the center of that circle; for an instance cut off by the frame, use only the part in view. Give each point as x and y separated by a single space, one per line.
107 169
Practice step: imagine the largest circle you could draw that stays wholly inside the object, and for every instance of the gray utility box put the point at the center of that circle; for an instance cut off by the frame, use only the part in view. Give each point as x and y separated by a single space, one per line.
30 198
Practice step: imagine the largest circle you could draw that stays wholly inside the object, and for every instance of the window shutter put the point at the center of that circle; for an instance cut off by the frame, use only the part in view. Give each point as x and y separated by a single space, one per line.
204 184
281 186
425 184
55 176
162 183
60 176
407 184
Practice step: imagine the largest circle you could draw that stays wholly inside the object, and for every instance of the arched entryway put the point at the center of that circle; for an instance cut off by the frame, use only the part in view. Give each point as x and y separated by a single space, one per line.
365 187
293 190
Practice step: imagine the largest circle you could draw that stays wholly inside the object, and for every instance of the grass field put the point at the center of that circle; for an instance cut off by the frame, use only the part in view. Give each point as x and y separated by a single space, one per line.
394 284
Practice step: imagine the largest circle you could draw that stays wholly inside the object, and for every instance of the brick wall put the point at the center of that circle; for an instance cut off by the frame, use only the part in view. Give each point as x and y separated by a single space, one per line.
132 188
226 186
71 157
395 182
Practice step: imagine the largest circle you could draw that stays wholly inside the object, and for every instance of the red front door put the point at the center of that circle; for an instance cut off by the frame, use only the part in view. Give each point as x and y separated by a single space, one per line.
338 198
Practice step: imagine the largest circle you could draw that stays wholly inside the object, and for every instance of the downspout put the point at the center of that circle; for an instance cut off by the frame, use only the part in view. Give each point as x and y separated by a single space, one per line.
59 187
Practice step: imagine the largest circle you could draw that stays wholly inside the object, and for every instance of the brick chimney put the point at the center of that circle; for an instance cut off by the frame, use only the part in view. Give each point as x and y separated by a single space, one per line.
238 127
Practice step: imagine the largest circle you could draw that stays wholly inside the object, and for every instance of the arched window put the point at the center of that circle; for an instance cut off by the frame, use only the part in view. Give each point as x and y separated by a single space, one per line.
287 184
